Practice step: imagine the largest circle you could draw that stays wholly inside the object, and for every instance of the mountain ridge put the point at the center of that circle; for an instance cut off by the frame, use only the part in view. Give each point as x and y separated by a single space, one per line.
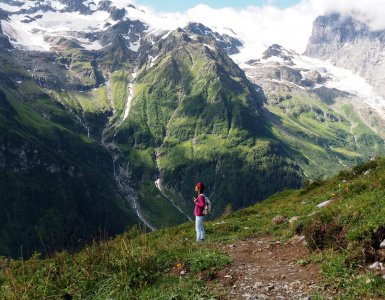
94 91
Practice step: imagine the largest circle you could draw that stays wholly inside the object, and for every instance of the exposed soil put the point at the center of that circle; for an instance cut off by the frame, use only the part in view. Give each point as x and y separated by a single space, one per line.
264 269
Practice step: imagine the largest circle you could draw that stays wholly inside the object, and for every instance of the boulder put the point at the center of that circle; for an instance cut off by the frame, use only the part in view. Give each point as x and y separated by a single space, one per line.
322 204
314 76
376 266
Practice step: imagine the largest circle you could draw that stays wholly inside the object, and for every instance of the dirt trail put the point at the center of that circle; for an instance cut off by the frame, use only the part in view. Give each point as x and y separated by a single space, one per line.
263 269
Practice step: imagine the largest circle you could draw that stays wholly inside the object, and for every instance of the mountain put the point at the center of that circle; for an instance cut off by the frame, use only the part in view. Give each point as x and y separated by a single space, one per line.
194 115
350 44
118 112
318 109
56 183
228 43
111 114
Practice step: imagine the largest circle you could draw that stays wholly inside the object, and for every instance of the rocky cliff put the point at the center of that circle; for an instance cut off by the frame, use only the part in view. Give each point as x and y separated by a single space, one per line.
351 44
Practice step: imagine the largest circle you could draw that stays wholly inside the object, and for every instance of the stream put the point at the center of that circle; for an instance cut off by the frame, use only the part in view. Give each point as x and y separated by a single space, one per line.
120 163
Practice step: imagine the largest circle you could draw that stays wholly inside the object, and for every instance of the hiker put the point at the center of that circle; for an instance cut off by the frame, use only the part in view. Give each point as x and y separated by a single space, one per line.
199 207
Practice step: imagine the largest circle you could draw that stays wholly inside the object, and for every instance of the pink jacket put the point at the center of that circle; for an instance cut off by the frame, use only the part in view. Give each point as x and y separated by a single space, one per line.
199 206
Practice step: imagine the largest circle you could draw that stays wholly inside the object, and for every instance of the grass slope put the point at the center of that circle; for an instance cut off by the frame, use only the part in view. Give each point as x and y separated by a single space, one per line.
344 236
321 140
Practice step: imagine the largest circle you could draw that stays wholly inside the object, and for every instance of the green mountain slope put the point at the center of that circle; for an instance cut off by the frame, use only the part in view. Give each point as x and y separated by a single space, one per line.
56 184
194 116
345 236
325 138
326 129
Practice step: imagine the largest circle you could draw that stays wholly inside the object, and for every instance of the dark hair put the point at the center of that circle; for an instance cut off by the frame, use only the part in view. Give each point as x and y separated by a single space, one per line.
201 186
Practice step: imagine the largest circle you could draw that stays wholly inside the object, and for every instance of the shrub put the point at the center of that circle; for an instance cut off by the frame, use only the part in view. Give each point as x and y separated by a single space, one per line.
324 232
371 248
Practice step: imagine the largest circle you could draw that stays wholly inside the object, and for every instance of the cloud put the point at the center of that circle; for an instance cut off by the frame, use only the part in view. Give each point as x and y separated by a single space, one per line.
369 12
259 27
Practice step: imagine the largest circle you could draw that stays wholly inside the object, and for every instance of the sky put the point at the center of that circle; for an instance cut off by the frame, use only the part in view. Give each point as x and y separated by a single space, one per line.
184 5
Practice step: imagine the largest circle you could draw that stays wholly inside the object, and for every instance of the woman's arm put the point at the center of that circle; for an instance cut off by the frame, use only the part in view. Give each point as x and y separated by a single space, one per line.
201 201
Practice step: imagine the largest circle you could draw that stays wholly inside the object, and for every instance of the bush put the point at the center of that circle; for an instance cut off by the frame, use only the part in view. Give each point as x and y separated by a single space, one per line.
325 232
309 185
358 170
371 249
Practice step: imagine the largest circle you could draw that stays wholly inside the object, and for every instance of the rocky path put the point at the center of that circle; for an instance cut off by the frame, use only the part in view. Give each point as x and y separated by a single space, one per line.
263 269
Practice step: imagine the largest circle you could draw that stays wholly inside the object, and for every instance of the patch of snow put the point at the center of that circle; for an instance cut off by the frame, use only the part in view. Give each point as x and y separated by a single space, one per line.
157 184
134 46
152 60
9 8
210 47
57 5
128 102
129 98
22 37
166 35
273 59
90 45
336 78
31 36
344 80
54 22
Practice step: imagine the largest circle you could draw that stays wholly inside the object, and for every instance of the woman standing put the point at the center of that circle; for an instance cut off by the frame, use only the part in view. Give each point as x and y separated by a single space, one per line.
199 207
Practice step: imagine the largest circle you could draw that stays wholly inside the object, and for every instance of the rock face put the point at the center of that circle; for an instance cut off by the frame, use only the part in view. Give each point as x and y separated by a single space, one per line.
277 64
77 6
276 50
4 40
350 44
226 42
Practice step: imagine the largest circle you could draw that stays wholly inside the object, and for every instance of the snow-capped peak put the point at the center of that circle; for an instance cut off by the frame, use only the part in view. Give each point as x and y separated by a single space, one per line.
32 23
